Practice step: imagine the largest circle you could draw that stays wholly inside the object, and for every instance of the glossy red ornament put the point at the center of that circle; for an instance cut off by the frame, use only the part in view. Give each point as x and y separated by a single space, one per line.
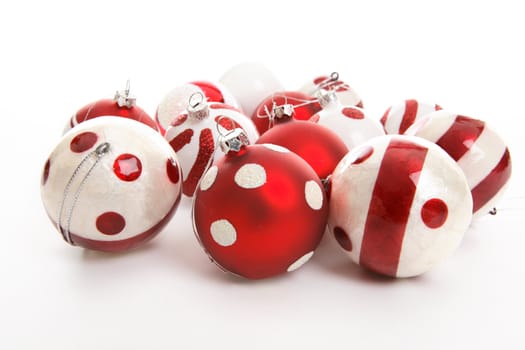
259 211
122 105
282 107
316 144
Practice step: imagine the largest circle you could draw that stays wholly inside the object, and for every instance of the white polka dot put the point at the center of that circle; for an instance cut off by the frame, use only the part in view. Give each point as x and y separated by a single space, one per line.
276 148
223 232
300 262
250 176
209 178
313 194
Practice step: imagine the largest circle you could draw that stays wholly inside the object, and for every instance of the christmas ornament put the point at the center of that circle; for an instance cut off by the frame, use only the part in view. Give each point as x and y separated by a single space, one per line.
345 94
350 123
398 118
111 184
260 210
320 147
283 106
478 150
176 101
193 135
399 205
250 83
122 105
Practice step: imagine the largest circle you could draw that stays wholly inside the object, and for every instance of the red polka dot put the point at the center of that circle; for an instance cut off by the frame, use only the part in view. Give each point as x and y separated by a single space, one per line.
342 238
179 120
353 113
127 167
172 169
365 153
45 173
434 213
83 141
226 122
110 223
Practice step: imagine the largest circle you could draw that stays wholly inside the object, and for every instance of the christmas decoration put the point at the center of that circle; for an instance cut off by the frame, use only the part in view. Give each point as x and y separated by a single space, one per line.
193 135
345 94
122 105
250 83
478 150
284 106
399 205
350 123
176 101
398 118
111 184
259 211
320 147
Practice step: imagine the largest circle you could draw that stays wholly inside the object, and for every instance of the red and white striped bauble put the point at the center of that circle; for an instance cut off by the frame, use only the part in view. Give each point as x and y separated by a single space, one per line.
345 94
399 117
350 123
111 184
195 139
176 101
479 151
398 205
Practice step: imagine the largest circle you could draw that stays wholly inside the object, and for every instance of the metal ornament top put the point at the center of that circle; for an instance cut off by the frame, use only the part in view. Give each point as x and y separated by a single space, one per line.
123 98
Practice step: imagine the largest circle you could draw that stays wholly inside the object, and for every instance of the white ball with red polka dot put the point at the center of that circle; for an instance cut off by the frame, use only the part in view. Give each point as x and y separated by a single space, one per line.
350 123
399 205
176 101
111 184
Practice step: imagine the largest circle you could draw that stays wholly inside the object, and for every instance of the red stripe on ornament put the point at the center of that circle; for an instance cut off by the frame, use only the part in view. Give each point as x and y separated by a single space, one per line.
390 205
460 137
409 116
206 148
385 116
181 140
490 185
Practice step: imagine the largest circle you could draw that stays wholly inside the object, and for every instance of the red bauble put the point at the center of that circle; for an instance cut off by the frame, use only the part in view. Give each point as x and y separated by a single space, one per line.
317 145
268 113
260 212
122 105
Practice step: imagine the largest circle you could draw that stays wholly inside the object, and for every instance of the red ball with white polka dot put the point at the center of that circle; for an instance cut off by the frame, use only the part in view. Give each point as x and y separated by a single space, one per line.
122 105
399 205
260 211
319 146
111 184
282 107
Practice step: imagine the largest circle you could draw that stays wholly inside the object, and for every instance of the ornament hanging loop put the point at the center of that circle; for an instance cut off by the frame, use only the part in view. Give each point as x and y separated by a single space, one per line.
123 97
197 106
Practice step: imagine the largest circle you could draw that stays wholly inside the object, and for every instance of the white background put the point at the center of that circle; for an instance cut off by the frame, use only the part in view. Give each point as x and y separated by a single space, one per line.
57 56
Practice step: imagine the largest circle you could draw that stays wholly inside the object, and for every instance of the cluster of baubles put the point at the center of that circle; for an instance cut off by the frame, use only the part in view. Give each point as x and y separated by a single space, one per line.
397 193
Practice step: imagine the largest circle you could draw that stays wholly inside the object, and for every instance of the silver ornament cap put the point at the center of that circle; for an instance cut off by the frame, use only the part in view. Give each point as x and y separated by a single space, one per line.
124 99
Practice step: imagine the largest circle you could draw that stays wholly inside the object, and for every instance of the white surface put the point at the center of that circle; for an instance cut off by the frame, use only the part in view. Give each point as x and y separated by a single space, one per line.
57 56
